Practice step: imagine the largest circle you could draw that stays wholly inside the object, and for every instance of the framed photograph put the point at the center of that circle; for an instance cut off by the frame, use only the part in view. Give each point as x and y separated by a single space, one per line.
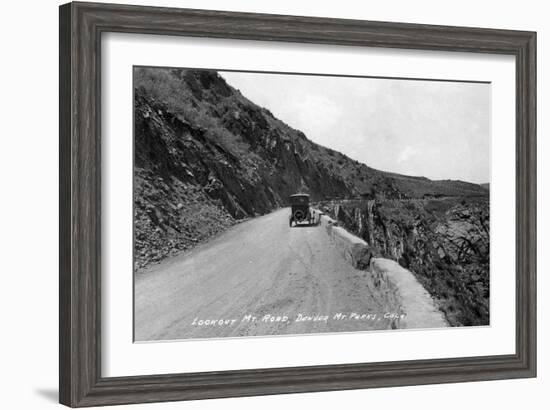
259 204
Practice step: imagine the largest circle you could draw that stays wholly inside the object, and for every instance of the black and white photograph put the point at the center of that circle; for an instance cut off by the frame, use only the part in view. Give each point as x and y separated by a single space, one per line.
270 204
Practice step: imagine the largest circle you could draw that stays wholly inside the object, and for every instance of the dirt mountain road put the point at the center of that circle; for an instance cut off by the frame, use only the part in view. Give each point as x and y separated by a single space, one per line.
258 268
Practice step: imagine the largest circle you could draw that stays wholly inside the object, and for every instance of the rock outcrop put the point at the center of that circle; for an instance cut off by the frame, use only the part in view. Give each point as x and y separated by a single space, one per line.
205 157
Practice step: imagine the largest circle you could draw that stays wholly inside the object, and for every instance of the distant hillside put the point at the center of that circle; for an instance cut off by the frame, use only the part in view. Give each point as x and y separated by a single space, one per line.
206 156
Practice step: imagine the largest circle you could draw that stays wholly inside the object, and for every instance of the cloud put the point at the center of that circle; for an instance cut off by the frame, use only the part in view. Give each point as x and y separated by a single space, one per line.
406 154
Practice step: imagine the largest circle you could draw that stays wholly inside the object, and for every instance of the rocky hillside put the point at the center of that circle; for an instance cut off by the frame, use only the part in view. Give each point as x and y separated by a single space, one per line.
444 242
207 157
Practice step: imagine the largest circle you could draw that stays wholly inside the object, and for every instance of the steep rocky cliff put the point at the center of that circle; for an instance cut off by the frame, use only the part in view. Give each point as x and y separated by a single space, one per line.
207 157
444 242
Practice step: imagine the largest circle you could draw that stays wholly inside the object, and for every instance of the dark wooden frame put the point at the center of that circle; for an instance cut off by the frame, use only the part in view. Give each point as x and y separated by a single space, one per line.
81 26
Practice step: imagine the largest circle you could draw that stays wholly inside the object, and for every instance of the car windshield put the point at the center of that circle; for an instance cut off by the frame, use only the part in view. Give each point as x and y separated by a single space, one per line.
299 200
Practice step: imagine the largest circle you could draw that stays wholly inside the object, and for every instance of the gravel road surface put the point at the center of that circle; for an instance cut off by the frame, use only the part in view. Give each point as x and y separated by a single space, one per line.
259 278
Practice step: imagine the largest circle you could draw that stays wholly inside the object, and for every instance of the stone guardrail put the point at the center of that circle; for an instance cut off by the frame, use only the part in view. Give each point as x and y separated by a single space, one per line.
354 249
420 308
388 276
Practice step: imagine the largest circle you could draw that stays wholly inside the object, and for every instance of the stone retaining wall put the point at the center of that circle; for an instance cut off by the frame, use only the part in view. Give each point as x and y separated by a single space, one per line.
415 303
354 249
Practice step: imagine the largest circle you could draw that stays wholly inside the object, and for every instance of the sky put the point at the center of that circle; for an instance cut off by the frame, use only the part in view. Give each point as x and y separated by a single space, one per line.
440 130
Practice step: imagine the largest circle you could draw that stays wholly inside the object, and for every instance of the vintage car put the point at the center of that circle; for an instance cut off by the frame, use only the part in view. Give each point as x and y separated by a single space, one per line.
300 210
